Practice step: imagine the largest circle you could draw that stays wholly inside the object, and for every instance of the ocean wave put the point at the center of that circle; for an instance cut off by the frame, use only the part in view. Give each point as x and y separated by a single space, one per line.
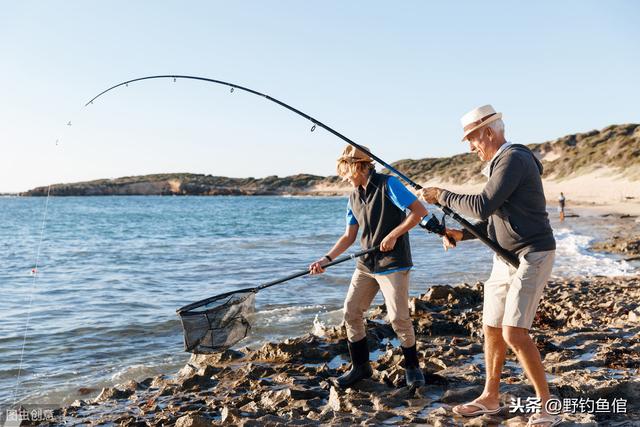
574 257
287 314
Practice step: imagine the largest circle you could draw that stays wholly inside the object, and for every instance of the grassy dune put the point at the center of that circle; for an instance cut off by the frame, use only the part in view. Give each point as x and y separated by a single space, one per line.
615 147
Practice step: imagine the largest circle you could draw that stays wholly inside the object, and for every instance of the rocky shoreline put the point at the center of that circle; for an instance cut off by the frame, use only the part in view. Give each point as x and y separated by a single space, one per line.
627 246
188 184
588 330
624 239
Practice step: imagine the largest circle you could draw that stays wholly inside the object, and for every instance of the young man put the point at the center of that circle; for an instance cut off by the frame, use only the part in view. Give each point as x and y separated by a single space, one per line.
376 206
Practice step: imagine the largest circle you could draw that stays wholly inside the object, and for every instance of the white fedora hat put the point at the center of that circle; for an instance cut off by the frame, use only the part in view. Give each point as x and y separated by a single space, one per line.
477 118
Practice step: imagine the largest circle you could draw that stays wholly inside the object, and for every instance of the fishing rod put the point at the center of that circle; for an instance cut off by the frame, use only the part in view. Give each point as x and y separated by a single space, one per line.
431 225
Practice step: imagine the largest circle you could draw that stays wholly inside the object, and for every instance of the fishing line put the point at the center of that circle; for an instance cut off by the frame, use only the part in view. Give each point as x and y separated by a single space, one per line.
35 272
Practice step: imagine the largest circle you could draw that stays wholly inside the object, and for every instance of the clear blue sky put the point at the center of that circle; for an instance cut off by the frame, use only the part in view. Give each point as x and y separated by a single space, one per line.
393 76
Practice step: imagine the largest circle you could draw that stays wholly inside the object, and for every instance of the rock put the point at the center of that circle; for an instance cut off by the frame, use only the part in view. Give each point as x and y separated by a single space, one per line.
381 416
304 349
86 390
482 421
129 421
229 415
458 295
275 398
437 293
371 386
251 407
200 360
258 371
443 323
196 382
193 420
336 401
112 394
271 420
434 364
518 421
160 381
78 403
388 401
132 386
462 395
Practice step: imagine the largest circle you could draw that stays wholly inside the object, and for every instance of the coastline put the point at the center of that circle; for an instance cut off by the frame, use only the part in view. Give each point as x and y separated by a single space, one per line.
588 331
603 190
459 328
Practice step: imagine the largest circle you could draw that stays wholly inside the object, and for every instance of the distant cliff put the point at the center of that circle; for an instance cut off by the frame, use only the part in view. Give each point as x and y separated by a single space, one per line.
196 185
615 148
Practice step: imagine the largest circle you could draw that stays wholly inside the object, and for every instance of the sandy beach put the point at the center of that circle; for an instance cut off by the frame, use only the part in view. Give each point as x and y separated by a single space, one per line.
601 191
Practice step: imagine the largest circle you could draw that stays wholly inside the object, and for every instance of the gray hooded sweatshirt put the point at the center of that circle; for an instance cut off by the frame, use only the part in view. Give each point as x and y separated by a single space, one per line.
512 206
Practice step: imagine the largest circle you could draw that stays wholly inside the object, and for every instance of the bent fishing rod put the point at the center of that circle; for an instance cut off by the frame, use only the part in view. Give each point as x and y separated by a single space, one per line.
431 225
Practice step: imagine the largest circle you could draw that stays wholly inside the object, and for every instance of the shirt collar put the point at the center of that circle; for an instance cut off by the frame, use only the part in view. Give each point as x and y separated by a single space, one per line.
486 170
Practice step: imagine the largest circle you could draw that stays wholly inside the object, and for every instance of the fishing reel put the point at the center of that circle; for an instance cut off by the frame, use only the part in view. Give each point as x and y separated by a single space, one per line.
434 225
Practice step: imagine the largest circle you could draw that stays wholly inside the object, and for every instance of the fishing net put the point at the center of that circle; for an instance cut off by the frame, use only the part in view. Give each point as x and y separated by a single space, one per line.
217 323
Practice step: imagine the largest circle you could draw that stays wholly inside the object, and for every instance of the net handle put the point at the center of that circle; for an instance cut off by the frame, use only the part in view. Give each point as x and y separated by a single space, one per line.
185 310
305 272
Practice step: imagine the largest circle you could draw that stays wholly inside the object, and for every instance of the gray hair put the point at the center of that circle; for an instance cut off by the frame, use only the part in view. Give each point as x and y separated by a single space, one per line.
497 126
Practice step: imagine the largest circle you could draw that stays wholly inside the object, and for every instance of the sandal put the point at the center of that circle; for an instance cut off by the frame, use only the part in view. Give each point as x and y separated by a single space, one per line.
482 410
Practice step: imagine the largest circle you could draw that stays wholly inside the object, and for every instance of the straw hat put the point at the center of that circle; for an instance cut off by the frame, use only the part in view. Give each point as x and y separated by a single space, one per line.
477 118
352 155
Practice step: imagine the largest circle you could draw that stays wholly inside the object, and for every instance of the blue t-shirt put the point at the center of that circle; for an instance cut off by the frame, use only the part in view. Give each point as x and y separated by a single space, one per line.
398 193
400 196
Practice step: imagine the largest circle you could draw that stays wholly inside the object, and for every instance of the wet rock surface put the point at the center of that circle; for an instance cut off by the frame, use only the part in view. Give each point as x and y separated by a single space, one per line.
588 331
627 246
625 239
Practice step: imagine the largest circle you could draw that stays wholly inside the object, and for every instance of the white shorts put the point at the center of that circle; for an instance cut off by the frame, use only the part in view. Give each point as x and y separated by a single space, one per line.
512 296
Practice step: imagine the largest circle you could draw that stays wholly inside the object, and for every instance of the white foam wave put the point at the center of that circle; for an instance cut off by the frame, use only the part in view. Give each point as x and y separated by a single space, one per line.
574 258
287 314
319 328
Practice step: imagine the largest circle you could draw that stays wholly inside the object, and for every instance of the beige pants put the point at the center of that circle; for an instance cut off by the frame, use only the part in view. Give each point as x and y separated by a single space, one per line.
395 289
511 296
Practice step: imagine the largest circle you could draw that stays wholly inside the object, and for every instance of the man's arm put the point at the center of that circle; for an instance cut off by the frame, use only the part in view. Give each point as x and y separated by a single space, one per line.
341 245
505 178
403 199
480 226
418 211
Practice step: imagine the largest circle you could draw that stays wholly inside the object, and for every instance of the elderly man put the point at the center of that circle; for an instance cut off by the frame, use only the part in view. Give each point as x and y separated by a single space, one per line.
512 210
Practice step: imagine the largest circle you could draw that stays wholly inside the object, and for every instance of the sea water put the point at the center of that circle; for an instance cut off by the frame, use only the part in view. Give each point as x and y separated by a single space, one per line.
100 309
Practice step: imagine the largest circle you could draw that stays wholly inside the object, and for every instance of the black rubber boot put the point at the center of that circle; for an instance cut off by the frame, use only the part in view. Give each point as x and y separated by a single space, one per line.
360 367
412 371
